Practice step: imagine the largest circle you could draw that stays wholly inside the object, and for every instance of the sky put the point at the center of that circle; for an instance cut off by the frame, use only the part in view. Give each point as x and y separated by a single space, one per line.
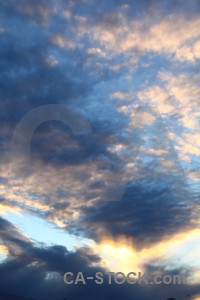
99 146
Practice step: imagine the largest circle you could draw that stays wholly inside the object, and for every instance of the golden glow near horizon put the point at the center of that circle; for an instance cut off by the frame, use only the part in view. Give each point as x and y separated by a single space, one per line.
100 102
171 252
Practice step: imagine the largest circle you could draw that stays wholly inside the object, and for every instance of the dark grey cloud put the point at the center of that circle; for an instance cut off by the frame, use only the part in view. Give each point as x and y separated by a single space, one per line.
147 212
38 272
12 238
150 208
40 276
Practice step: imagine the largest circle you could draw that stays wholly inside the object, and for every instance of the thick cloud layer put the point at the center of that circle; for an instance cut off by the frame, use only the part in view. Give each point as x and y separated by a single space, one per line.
131 69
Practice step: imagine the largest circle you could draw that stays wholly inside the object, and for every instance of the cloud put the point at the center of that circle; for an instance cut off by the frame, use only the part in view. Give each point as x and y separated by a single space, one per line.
132 69
96 51
172 35
63 42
